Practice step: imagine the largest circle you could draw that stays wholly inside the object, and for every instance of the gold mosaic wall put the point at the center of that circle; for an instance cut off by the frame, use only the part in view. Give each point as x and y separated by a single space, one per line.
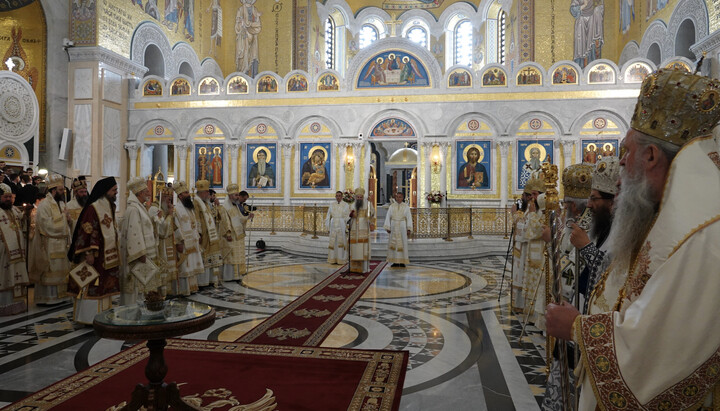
23 37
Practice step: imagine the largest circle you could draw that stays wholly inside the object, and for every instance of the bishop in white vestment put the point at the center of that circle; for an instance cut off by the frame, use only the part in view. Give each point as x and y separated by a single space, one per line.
209 239
336 221
187 243
232 230
399 225
651 340
137 245
360 227
13 273
50 266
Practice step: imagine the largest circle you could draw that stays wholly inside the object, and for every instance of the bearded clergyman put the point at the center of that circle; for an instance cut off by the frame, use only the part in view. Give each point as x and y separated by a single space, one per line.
50 266
209 239
13 272
361 216
187 242
75 206
650 339
234 217
95 242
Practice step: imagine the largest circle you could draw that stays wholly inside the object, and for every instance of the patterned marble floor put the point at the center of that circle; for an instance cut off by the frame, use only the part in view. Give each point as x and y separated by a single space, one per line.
465 350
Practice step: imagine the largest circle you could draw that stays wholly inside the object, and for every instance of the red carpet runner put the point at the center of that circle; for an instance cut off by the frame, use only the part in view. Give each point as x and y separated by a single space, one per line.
308 320
228 375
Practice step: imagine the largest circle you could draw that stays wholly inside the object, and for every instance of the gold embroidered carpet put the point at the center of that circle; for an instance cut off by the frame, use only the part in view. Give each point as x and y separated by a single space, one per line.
223 376
309 319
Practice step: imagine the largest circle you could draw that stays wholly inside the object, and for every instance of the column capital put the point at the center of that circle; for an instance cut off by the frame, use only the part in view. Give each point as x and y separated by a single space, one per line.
182 150
504 146
132 148
567 146
234 146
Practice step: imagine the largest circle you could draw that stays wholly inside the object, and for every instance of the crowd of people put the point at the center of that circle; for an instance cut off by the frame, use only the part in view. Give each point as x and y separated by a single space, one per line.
622 285
76 249
622 277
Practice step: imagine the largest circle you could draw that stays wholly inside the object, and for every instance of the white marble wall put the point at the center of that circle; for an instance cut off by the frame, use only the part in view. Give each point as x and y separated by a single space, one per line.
112 142
82 141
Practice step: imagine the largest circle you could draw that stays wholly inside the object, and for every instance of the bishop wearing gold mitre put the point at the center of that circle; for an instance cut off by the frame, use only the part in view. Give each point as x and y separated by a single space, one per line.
209 239
187 242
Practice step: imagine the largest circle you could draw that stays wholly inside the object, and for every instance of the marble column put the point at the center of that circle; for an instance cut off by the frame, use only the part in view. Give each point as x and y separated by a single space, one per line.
233 149
427 147
504 149
287 164
357 154
132 149
182 152
444 147
341 174
146 160
567 148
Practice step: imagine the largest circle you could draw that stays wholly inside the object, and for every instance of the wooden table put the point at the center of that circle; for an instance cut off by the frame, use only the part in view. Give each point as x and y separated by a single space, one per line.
136 322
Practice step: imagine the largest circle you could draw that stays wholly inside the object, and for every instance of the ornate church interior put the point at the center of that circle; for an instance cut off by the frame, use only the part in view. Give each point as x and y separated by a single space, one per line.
456 105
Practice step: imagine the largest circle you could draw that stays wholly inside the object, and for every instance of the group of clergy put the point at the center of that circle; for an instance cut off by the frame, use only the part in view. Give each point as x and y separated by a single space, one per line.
355 237
157 248
633 266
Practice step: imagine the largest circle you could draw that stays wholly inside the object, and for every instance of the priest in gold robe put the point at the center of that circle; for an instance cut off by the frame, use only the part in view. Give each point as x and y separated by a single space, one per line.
234 218
13 272
209 239
75 206
138 245
186 235
50 267
650 339
95 242
361 215
167 255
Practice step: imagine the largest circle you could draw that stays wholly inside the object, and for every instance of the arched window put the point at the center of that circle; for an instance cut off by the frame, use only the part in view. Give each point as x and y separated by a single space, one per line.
417 32
462 47
330 57
368 35
501 36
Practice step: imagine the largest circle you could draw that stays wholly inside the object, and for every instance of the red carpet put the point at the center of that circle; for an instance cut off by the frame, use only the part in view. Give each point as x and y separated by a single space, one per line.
234 374
308 320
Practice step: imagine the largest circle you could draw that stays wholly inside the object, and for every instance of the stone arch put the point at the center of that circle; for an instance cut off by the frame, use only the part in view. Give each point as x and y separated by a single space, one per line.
243 128
515 123
425 57
143 129
461 7
190 137
694 10
656 33
434 27
417 123
579 121
210 67
368 13
334 127
684 38
630 51
183 53
491 121
147 33
341 5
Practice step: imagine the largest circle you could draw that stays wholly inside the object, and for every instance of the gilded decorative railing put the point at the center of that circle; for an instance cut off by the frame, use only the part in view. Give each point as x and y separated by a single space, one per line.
446 223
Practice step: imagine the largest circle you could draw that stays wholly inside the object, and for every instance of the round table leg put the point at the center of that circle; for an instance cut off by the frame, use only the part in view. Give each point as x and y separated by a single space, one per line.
157 395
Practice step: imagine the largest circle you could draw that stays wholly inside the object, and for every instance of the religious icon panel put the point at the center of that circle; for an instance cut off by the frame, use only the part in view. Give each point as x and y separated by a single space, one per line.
209 160
393 69
315 165
531 154
474 165
594 150
261 165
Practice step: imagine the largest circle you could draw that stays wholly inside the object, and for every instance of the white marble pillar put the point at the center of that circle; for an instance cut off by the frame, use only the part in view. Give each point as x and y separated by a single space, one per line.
233 149
182 152
504 149
287 164
132 149
444 147
146 161
427 147
357 153
567 148
341 174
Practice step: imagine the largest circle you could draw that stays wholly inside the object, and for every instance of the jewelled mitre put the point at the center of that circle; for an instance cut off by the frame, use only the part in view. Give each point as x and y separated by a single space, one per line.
54 181
79 184
534 184
180 187
202 185
605 177
359 191
137 184
233 189
676 106
577 180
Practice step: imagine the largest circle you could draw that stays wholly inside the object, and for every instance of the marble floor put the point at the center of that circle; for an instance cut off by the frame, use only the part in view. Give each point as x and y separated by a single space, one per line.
465 352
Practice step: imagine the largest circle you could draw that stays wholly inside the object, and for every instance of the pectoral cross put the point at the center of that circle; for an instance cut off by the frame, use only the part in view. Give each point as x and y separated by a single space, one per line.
4 220
568 276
